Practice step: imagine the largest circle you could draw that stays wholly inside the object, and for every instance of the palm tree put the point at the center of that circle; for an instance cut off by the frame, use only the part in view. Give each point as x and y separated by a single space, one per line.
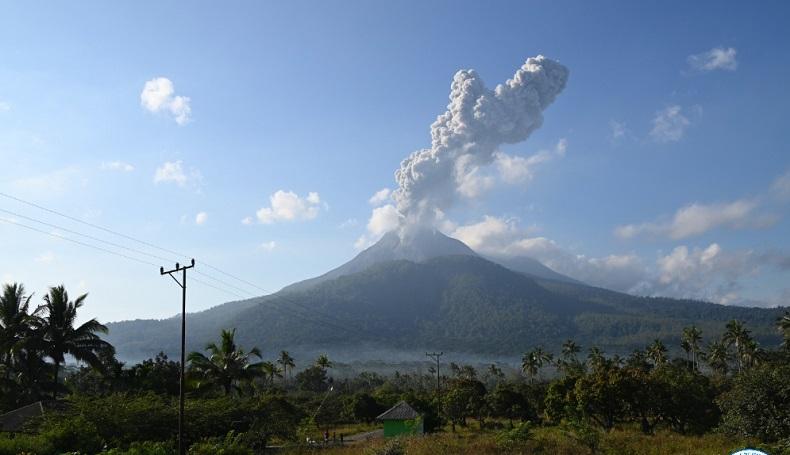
227 364
595 357
15 322
569 350
657 352
270 370
752 353
323 362
530 365
286 361
692 337
56 329
783 323
718 356
736 334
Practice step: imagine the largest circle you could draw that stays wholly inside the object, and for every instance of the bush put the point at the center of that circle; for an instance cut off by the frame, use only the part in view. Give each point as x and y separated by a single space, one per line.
758 405
76 434
145 448
231 444
518 436
393 447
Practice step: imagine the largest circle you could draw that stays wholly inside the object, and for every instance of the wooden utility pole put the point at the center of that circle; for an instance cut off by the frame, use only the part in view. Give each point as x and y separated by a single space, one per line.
183 284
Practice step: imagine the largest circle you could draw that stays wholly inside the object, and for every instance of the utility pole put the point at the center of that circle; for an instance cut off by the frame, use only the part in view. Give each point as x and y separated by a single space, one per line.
183 284
435 356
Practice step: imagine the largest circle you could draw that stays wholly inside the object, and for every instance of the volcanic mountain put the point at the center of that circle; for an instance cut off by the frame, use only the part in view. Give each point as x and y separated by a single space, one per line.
430 291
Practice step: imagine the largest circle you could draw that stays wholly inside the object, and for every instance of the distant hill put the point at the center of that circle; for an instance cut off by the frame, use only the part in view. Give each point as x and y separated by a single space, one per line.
461 303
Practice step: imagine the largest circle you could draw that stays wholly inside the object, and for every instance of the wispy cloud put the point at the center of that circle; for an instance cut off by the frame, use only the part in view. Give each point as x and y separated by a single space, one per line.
268 246
173 172
669 124
695 219
117 166
201 218
718 58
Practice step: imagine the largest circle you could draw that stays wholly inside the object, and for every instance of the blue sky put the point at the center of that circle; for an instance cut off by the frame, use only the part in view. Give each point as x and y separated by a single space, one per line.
660 169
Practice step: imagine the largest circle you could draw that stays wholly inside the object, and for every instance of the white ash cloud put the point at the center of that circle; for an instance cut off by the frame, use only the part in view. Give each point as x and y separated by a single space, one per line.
467 136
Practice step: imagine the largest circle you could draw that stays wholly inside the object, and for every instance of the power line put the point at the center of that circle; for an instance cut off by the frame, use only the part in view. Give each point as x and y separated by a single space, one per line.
337 324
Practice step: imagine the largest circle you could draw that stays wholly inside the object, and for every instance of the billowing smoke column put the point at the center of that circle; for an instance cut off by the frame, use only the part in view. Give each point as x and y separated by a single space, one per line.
467 135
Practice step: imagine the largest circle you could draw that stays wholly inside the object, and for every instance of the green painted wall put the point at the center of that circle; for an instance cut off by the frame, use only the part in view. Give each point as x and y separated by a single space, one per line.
399 427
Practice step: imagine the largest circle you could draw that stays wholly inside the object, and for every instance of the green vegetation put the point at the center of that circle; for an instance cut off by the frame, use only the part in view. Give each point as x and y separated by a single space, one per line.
721 394
451 303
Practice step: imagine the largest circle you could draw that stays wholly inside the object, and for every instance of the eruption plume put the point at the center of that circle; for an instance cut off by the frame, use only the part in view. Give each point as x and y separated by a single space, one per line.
465 137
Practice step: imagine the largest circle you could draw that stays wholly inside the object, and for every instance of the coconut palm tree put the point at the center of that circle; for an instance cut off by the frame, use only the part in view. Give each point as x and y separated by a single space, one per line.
718 356
270 371
55 328
692 337
783 323
736 334
569 350
657 352
530 365
227 365
751 353
322 361
15 323
595 357
286 361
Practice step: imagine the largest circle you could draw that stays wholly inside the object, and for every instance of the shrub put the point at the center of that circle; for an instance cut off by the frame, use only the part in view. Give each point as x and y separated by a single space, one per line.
231 444
518 436
75 434
393 447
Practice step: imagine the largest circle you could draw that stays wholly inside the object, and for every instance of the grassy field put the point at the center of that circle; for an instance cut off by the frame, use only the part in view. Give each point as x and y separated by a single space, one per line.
548 440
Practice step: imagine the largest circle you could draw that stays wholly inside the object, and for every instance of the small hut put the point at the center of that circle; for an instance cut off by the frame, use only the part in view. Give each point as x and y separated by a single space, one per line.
401 419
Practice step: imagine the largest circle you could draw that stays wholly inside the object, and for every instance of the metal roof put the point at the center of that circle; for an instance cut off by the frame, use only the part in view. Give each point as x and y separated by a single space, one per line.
401 411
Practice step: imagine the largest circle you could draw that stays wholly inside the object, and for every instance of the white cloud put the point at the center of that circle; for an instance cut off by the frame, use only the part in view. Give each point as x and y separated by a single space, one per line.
380 197
382 220
499 237
268 246
173 171
45 258
517 169
158 96
5 106
781 186
288 206
351 222
696 219
618 129
247 220
117 166
717 58
201 218
669 125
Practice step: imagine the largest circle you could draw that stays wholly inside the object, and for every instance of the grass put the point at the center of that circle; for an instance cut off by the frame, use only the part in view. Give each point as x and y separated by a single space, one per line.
549 440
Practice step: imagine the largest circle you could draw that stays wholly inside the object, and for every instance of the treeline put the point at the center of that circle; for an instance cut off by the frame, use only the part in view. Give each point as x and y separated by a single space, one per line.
240 401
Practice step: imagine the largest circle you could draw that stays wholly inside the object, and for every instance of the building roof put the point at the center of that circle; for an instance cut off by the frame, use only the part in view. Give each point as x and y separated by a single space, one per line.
401 411
14 421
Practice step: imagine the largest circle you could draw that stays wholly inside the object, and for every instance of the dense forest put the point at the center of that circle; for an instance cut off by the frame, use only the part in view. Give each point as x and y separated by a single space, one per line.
459 303
722 392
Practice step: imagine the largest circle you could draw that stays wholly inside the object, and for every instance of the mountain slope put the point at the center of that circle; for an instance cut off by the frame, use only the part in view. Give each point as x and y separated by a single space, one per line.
460 303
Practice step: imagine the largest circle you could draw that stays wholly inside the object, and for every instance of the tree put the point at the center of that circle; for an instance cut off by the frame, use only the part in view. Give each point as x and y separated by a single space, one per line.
15 323
657 352
227 365
736 334
60 338
783 324
596 358
270 371
758 404
692 337
530 365
323 362
286 361
718 357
